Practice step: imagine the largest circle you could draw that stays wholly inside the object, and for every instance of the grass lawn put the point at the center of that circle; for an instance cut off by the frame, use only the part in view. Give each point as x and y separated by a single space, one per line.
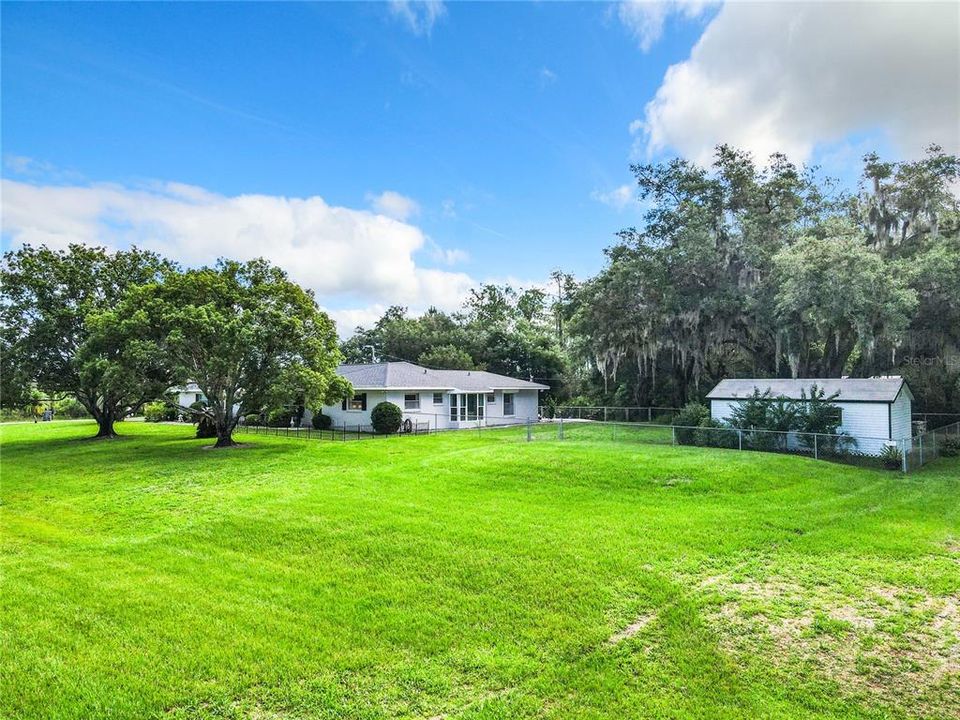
466 576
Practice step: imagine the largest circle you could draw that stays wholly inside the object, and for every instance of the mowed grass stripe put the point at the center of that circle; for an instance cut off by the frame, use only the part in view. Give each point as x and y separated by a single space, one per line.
476 575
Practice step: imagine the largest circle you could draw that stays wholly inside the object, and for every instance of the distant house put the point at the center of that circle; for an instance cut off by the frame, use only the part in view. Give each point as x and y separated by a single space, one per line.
444 399
188 394
873 410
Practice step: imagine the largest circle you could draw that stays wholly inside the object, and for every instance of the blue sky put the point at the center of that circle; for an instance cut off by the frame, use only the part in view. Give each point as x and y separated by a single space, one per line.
401 152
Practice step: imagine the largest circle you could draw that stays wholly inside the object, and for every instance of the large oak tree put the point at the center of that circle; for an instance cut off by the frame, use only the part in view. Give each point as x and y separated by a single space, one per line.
49 299
248 336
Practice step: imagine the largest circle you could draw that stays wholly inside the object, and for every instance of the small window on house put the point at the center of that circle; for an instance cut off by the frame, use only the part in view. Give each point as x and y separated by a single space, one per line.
411 401
508 403
491 398
198 398
357 402
438 398
836 415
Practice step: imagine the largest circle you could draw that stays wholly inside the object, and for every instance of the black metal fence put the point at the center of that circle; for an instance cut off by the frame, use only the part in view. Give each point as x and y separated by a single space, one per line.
342 433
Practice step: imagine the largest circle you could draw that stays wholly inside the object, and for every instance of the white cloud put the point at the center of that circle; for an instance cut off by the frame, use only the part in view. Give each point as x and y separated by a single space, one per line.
418 15
645 18
547 76
394 205
787 77
618 198
347 256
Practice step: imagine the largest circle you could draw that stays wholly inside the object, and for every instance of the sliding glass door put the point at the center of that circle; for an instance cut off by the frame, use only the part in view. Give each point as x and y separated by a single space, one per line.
467 407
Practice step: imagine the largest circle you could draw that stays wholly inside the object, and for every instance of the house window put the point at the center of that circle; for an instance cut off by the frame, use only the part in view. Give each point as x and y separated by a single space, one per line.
198 398
411 401
836 416
508 403
438 398
491 398
357 402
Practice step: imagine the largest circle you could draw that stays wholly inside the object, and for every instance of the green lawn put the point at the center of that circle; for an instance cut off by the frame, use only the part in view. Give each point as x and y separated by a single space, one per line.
468 576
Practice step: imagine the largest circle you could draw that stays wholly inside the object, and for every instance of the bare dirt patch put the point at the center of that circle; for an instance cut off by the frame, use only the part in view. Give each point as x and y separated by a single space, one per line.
632 629
899 645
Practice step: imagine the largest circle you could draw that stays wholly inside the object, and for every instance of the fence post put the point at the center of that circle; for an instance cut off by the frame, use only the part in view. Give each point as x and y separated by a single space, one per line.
920 438
358 431
673 433
740 439
816 453
529 430
903 454
649 414
560 431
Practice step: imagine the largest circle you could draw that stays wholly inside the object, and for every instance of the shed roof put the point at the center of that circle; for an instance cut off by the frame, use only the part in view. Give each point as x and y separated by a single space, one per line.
879 389
407 376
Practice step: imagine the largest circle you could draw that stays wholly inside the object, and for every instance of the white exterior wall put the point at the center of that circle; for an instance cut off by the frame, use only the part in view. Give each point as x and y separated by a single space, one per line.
526 404
901 413
867 422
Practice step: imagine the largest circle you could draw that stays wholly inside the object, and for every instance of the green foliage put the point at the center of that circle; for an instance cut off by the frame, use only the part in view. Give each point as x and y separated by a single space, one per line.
252 419
321 421
499 329
279 418
691 415
891 457
55 333
950 446
386 418
747 270
714 433
155 412
264 341
70 407
446 357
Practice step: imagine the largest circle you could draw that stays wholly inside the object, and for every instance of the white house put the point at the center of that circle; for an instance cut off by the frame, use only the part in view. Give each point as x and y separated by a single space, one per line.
438 399
872 410
188 394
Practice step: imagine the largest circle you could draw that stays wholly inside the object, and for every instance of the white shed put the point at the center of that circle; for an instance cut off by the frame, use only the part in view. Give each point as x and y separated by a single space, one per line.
873 410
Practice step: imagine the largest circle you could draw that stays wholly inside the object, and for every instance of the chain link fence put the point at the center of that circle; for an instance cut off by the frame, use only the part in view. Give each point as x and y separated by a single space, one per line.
905 455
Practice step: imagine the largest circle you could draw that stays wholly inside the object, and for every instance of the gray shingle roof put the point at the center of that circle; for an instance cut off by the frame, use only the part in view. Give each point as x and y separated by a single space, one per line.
404 375
882 389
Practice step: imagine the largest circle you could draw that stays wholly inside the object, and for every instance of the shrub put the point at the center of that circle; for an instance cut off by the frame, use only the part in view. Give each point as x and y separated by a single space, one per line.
321 421
386 418
206 427
70 408
691 415
252 419
155 412
279 418
891 457
950 446
714 434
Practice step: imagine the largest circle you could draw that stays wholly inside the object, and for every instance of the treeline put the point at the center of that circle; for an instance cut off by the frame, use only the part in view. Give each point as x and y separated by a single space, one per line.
738 270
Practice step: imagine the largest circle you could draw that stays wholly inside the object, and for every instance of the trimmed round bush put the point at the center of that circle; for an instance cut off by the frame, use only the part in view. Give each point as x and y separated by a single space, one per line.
252 419
386 418
321 421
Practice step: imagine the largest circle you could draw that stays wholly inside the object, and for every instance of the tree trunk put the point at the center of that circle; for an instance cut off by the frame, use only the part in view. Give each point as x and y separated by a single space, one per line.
105 420
224 438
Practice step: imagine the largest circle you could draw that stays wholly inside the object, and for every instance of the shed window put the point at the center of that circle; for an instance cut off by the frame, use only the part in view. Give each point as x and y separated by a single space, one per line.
411 401
438 398
491 398
508 403
357 402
